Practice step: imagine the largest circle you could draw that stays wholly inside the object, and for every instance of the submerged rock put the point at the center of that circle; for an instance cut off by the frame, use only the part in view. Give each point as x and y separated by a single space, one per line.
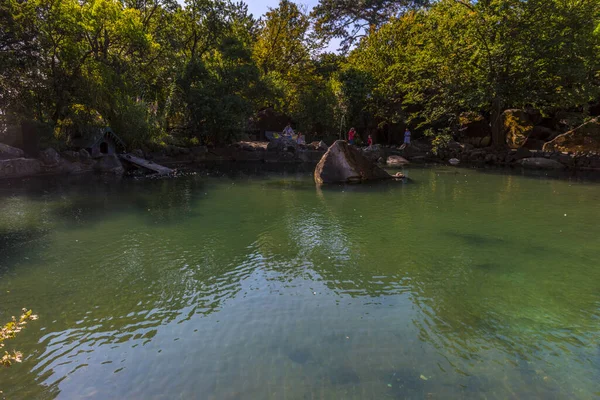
541 163
396 161
343 163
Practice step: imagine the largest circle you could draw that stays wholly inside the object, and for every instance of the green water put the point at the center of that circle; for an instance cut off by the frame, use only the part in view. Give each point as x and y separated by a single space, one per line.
462 284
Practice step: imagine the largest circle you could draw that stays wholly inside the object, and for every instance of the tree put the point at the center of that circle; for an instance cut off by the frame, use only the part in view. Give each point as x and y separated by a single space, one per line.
283 43
485 57
219 91
353 19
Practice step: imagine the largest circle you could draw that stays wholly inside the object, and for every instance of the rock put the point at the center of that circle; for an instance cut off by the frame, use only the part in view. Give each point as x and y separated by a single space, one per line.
396 161
343 163
138 153
283 144
313 145
453 145
517 127
174 151
581 139
19 167
248 146
542 133
109 164
70 155
374 152
566 121
534 144
454 161
84 156
310 156
50 157
199 150
475 130
75 167
541 163
522 153
7 152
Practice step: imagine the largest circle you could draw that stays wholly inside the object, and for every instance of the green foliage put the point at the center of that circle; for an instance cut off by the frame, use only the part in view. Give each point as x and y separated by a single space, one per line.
156 69
485 57
439 138
351 20
217 91
9 331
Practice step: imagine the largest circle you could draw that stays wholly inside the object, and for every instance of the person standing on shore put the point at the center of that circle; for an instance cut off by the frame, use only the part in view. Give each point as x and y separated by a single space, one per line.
370 141
300 139
407 135
351 135
288 131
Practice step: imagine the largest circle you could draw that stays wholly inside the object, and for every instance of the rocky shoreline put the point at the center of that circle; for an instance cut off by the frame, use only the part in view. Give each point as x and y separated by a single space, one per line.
14 163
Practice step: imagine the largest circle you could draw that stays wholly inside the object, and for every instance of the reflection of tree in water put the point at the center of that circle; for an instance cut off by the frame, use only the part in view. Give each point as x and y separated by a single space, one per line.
474 296
197 257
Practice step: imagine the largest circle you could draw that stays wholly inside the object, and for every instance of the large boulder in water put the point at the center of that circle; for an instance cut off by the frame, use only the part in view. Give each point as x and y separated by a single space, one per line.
584 138
7 152
343 163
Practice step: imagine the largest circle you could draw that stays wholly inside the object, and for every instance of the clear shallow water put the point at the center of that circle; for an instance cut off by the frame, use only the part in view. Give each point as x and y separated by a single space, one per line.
463 284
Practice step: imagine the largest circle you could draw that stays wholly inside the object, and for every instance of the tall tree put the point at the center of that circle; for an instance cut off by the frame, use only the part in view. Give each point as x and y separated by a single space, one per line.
353 19
284 42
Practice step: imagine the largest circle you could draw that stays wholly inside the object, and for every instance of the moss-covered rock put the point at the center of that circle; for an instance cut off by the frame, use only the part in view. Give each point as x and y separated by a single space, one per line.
585 138
517 127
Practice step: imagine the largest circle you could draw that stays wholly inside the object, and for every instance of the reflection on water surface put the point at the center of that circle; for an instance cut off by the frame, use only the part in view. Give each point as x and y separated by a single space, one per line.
462 284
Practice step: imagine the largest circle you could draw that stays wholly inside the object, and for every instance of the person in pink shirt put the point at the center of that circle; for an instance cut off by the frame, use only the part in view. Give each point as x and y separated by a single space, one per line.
370 141
351 135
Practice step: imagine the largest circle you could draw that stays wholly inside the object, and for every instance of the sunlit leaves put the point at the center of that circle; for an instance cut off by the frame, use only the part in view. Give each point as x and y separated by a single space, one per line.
9 331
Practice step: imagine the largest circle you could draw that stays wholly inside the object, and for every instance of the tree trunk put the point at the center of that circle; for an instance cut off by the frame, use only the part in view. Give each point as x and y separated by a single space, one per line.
498 136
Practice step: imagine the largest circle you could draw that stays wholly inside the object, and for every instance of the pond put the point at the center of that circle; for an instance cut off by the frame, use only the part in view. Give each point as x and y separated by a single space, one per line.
461 284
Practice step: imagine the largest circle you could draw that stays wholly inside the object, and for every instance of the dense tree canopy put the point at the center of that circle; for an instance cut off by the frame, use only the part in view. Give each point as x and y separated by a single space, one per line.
353 19
157 71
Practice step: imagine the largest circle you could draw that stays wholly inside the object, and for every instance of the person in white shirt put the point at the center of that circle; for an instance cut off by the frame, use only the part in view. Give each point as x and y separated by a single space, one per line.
288 131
